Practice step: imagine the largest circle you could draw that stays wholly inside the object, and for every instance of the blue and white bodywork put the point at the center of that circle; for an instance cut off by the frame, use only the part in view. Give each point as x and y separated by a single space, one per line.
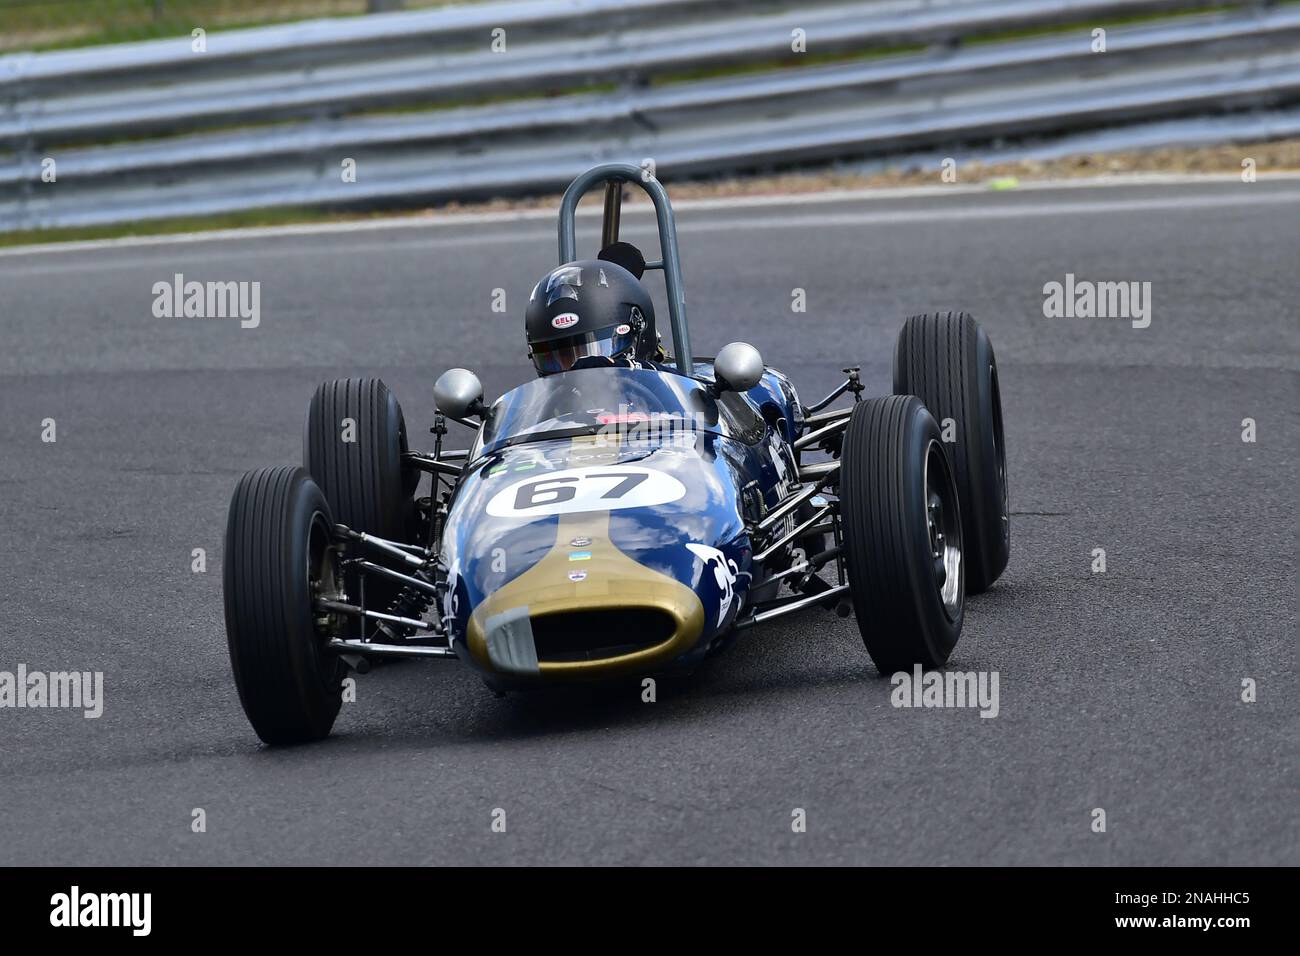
601 524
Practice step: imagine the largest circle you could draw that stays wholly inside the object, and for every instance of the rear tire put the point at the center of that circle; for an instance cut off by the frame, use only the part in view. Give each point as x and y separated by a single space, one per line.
278 540
363 479
908 590
947 361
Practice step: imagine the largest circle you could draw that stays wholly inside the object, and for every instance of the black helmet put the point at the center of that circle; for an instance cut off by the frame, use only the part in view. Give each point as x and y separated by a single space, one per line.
589 308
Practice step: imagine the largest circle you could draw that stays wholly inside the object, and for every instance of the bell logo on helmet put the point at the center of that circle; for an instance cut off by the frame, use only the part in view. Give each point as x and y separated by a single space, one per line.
565 320
623 329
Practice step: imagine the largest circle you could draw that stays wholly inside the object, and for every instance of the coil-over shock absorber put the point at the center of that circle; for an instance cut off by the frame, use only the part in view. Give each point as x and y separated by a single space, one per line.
411 602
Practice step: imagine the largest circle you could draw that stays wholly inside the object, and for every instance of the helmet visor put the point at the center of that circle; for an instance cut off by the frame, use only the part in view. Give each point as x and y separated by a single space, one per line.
559 355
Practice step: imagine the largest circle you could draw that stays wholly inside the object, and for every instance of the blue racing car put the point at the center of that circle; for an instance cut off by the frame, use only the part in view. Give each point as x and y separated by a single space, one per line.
629 511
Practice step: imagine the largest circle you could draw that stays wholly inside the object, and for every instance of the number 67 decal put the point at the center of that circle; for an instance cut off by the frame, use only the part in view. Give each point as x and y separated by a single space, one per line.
595 488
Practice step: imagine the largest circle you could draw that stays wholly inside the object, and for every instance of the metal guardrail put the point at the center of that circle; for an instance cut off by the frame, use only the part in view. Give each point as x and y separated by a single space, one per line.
382 91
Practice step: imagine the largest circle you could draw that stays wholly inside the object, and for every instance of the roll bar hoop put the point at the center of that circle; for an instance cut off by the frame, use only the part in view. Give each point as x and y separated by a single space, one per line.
613 175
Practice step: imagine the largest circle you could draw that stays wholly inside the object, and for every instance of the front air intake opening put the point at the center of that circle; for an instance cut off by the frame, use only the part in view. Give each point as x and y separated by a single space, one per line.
597 635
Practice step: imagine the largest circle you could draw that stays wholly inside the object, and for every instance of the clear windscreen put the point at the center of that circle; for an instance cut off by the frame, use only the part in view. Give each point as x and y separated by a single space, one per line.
598 400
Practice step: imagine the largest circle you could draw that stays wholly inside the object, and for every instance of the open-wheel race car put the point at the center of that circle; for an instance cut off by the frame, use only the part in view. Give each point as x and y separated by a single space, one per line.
627 512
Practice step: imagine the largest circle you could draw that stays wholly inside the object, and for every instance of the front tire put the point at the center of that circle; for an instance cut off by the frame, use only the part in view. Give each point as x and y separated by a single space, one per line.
947 361
278 551
901 524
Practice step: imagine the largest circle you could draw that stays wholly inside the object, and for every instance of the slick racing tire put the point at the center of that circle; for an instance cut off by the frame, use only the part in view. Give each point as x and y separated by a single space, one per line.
947 361
900 519
353 446
279 555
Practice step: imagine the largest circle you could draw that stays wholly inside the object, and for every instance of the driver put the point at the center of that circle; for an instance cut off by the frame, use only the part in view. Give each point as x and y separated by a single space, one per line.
589 314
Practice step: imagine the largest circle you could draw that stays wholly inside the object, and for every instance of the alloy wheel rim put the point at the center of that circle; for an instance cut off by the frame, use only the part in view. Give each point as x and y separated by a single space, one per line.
943 529
324 581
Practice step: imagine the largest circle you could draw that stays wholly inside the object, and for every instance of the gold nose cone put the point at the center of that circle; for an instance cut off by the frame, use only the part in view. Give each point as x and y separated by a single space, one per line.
592 575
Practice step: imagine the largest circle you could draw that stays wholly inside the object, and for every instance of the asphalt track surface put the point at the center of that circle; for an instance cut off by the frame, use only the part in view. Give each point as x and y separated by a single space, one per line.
1118 690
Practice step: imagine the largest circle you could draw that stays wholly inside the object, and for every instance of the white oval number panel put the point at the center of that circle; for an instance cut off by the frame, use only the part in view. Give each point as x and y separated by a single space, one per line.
595 488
